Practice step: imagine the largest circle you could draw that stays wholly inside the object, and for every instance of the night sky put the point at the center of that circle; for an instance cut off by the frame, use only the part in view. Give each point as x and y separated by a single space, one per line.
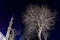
10 7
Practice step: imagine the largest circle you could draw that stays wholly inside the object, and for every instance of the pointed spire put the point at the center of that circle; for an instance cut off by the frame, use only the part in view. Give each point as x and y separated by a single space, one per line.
11 21
9 28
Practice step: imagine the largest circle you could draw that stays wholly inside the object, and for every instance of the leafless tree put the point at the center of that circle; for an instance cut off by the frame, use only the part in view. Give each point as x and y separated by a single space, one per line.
38 20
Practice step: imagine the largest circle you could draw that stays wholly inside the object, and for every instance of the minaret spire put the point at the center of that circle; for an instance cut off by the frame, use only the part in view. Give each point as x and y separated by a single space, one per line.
9 28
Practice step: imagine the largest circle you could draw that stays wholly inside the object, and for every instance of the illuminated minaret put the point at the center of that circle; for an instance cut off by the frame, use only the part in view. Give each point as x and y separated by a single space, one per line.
9 29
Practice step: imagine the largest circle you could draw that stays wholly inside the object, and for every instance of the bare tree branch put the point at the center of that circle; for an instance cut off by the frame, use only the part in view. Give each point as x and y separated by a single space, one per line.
38 19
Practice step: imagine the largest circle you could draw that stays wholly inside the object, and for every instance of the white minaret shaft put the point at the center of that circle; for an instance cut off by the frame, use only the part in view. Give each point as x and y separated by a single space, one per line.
9 28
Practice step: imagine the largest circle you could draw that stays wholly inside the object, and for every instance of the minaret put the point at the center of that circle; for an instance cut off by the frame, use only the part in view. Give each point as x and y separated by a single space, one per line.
9 29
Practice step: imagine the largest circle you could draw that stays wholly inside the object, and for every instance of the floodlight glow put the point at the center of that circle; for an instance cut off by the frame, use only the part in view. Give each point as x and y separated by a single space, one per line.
2 37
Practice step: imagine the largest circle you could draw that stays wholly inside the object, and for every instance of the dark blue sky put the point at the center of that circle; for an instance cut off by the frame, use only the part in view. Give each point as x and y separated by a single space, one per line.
8 7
